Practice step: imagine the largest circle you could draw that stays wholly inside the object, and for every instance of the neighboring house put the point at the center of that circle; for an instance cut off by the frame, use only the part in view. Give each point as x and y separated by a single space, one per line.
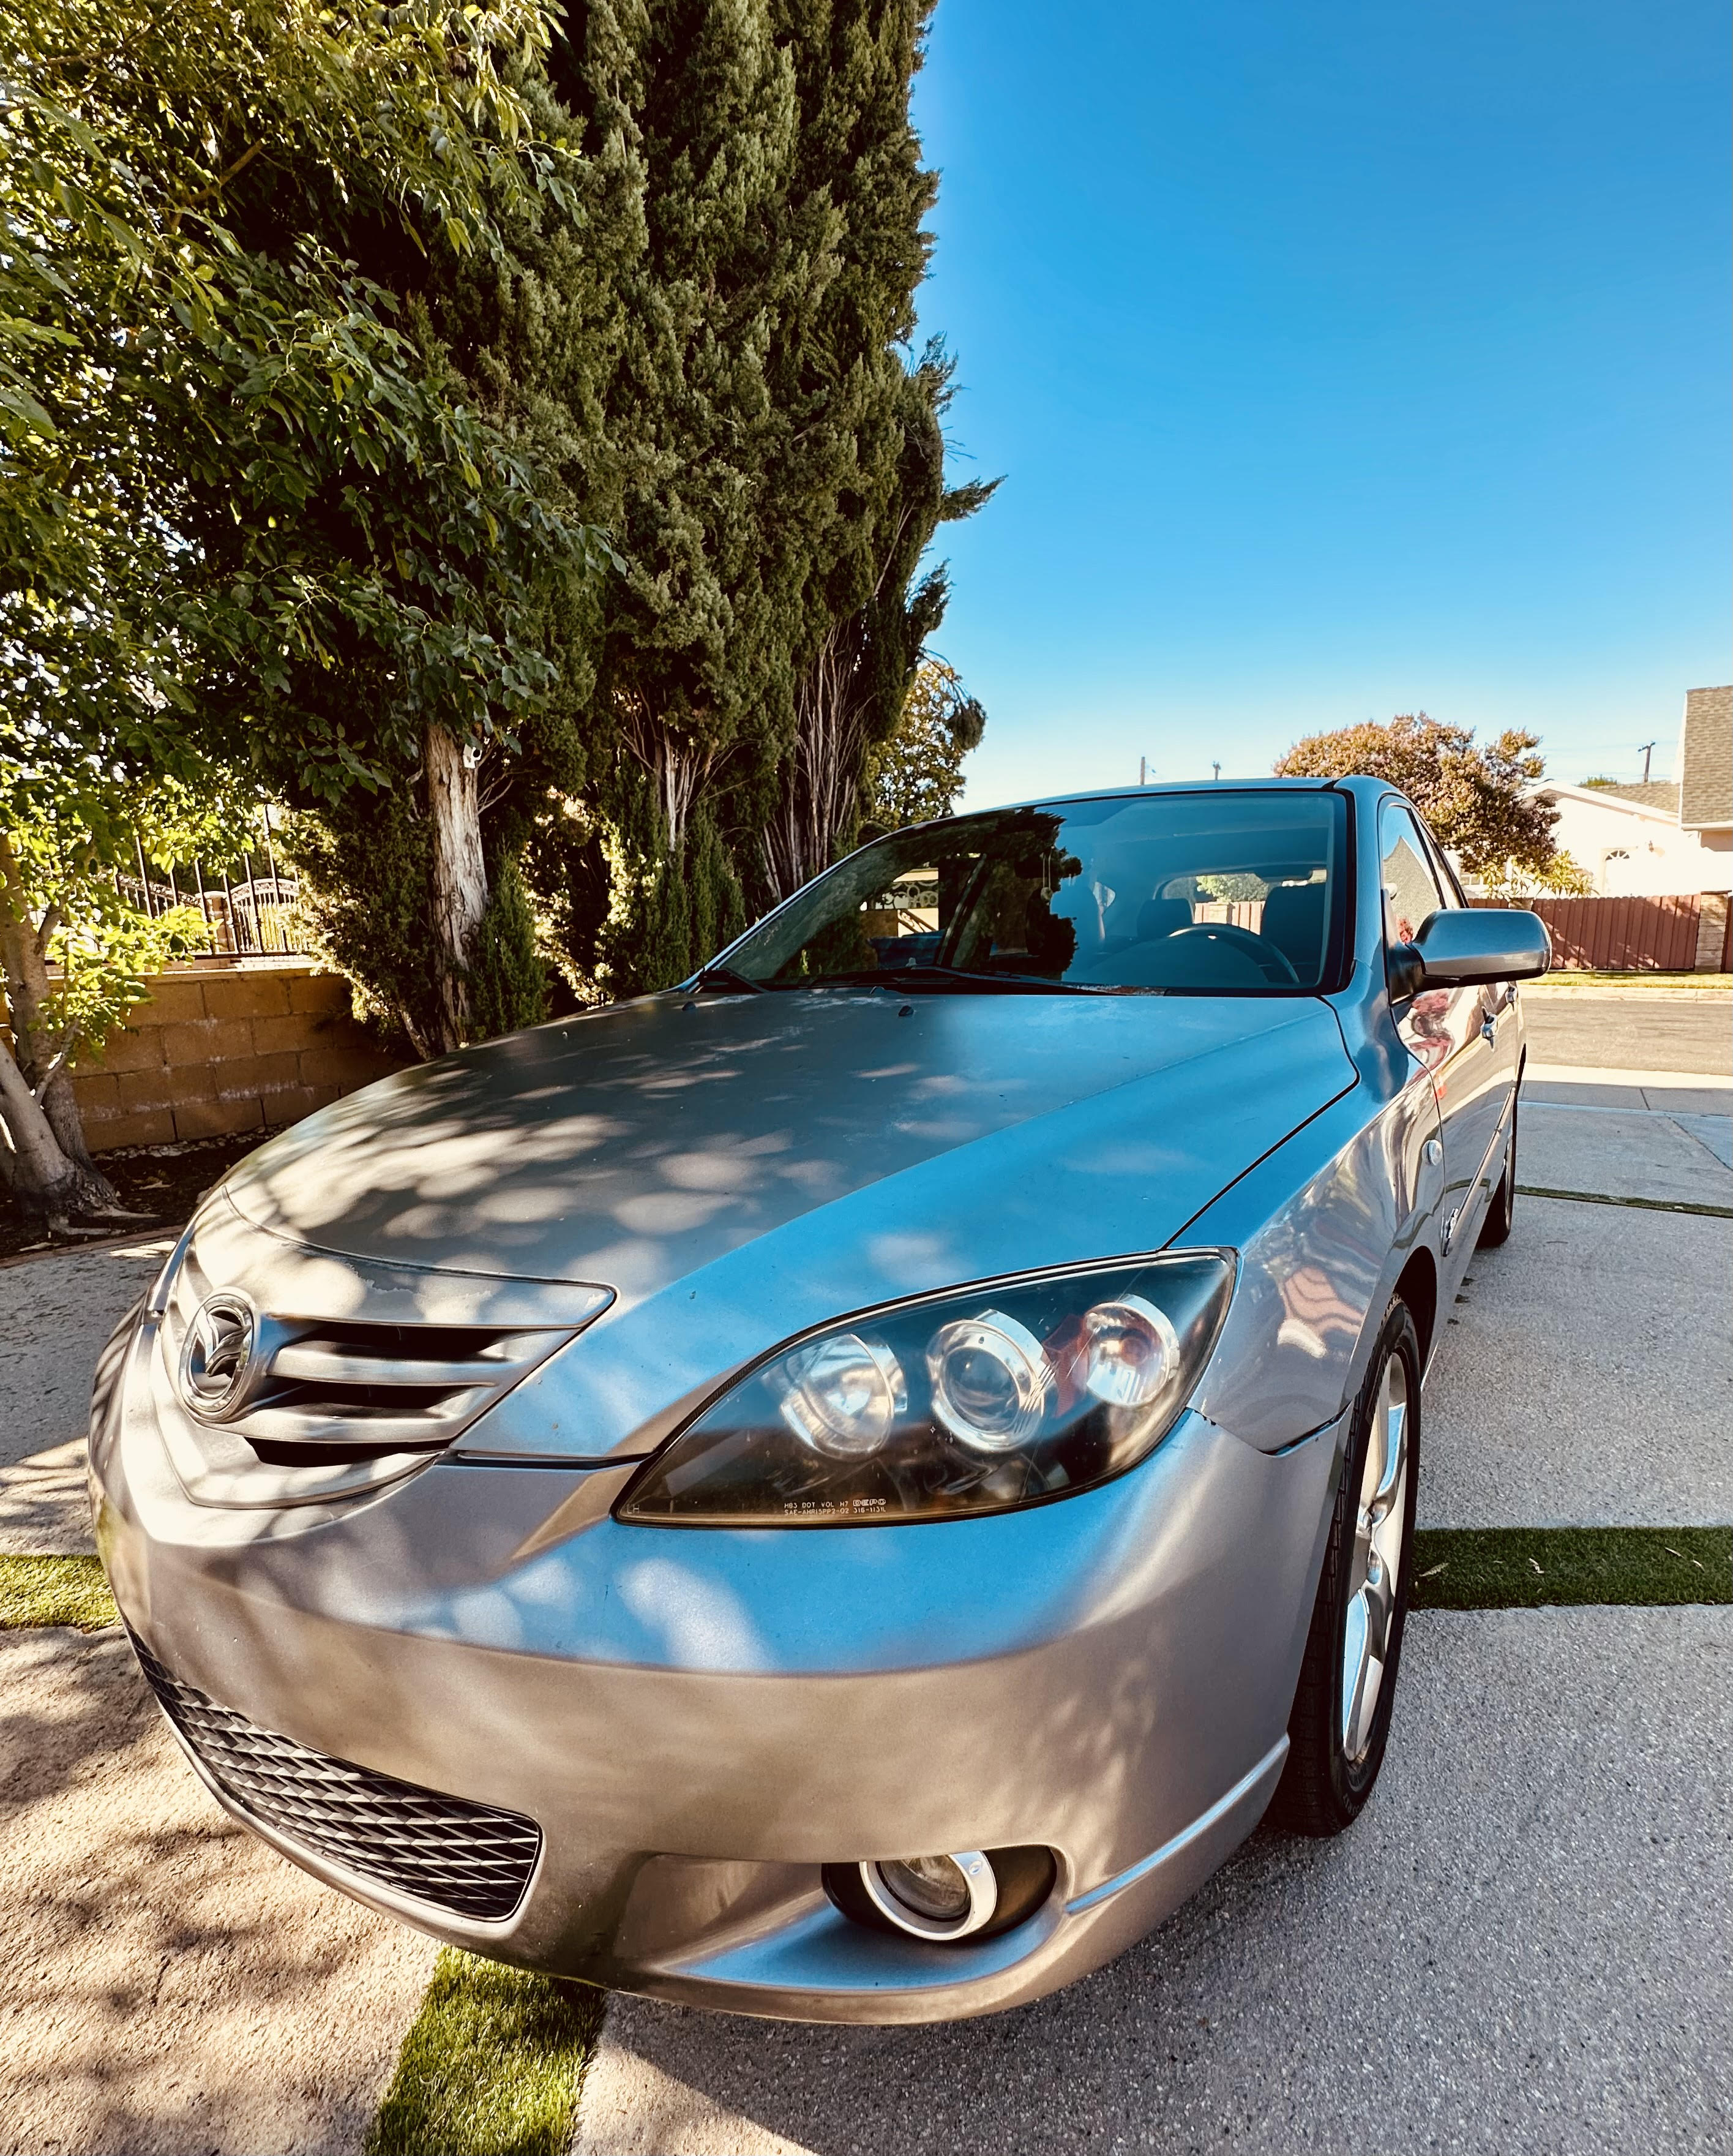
1668 838
1705 771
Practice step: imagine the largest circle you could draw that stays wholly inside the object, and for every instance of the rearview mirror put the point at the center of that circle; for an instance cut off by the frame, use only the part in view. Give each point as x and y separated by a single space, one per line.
1462 948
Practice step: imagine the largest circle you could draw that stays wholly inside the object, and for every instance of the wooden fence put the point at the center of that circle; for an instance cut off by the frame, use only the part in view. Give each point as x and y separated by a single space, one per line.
1636 935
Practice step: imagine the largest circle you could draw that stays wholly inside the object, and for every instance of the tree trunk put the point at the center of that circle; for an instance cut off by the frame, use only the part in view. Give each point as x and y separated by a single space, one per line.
23 956
59 1104
678 766
822 778
43 1181
459 874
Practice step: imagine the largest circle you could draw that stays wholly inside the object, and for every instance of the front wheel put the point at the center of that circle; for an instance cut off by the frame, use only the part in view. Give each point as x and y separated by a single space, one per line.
1340 1721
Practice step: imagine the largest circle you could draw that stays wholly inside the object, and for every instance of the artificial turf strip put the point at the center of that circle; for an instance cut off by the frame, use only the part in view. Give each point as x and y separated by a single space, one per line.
1535 1567
492 2066
1642 1205
55 1590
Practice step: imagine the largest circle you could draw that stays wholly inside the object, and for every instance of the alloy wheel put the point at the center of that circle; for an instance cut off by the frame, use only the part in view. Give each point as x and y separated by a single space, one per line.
1373 1574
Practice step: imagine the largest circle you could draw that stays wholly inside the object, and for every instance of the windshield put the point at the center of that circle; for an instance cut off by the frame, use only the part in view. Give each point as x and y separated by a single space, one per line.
1221 892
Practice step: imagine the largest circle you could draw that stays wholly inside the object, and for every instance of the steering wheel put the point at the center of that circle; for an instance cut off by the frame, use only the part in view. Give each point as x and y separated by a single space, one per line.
1262 953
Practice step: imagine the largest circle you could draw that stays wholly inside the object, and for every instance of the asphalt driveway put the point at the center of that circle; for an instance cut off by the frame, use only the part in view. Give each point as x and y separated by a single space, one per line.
1521 1944
1633 1029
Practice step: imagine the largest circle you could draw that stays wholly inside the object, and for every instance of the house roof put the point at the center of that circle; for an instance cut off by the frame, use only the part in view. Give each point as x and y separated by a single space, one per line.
1706 760
1662 793
1628 800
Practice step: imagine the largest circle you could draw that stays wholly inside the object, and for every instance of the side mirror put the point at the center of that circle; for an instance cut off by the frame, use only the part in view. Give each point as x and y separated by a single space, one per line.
1465 948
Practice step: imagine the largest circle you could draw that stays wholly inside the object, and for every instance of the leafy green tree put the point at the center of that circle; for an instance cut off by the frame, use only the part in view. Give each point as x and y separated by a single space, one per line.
242 481
74 955
722 268
1564 876
854 64
1475 797
508 987
917 774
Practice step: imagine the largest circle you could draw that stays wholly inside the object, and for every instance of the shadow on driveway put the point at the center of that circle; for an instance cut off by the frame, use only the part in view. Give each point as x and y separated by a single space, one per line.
167 1982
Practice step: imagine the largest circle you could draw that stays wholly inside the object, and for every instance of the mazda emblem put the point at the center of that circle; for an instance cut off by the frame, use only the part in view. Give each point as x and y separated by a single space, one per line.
216 1356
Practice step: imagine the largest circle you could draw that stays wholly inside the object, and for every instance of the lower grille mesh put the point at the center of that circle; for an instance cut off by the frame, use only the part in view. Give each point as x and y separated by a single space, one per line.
467 1859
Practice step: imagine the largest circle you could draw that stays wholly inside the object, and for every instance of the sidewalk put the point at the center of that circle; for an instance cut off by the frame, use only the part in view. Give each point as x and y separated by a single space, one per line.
55 1313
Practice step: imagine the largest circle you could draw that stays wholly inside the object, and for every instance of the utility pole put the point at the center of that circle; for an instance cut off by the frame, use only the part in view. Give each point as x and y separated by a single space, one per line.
1216 768
1143 771
1648 751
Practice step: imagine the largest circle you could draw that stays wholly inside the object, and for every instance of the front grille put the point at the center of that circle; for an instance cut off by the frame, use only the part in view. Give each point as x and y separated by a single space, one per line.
468 1860
322 1390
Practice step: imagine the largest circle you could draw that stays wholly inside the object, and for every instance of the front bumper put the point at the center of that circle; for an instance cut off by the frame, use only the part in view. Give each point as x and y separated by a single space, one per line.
696 1721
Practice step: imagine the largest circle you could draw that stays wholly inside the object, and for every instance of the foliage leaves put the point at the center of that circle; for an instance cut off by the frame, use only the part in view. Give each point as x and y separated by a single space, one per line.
1472 796
917 773
238 474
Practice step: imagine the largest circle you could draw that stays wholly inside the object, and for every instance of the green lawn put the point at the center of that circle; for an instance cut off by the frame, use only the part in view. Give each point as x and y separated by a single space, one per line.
1532 1568
493 2065
55 1590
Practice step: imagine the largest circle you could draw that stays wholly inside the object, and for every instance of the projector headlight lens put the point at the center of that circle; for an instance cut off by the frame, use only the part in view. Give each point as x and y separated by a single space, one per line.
841 1396
1133 1351
991 1381
977 1400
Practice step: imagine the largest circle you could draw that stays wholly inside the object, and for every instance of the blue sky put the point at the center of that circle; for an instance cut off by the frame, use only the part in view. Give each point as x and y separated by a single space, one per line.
1341 360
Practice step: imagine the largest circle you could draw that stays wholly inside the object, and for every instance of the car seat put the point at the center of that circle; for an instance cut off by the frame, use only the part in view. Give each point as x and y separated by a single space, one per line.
1158 917
1294 920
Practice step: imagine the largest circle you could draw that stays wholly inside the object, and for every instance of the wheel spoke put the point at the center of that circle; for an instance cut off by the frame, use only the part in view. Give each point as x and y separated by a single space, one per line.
1389 1508
1379 1522
1358 1667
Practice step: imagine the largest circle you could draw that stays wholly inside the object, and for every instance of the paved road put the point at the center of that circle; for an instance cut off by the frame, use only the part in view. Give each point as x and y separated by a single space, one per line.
1641 1030
1587 1375
1521 1944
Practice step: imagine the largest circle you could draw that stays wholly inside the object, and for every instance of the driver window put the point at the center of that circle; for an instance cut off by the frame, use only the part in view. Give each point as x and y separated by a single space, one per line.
1411 885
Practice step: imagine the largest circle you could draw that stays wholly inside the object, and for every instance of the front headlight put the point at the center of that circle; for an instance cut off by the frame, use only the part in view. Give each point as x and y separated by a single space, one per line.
973 1401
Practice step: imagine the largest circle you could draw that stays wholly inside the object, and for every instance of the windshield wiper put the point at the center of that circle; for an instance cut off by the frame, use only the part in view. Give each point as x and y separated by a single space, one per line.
727 982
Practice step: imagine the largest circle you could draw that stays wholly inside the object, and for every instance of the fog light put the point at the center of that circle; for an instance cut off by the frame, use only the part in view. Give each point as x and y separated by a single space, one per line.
934 1898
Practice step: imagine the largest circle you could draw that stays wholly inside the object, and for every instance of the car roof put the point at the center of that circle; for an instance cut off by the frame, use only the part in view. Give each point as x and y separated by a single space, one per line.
1358 784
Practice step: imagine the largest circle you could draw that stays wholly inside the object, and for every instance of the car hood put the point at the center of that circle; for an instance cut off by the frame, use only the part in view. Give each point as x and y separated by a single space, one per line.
634 1146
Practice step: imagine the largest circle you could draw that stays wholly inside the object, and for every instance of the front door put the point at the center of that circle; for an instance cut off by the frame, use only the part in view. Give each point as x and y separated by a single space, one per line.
1457 1034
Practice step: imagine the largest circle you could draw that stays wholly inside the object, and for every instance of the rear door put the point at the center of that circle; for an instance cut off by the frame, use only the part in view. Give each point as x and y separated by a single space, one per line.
1455 1033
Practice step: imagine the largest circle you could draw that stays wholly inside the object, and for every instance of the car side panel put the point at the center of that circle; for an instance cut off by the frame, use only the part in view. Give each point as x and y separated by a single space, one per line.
1325 1226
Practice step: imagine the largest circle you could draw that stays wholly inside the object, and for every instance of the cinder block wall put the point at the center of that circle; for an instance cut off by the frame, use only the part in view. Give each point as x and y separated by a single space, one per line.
222 1049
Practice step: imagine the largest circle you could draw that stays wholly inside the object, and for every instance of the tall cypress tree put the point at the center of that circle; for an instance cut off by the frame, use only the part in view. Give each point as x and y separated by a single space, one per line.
852 693
768 459
856 61
713 352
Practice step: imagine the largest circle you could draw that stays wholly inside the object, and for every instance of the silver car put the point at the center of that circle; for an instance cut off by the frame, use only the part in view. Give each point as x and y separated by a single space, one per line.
843 1490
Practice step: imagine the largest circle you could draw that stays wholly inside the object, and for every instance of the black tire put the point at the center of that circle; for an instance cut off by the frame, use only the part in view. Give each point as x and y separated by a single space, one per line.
1501 1207
1324 1785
